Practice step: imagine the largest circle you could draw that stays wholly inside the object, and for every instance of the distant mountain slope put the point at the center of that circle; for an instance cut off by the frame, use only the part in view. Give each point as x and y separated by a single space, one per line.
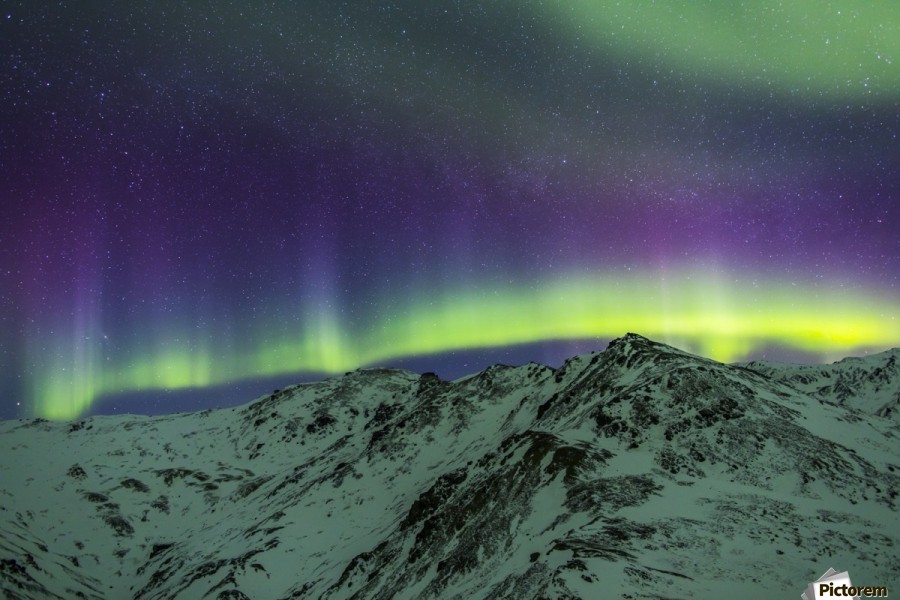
636 472
870 384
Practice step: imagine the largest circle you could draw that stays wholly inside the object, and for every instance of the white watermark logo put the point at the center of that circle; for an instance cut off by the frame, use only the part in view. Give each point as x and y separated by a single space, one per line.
837 585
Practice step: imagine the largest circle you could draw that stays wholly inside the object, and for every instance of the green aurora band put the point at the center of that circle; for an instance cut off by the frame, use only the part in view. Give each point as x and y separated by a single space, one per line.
712 315
838 50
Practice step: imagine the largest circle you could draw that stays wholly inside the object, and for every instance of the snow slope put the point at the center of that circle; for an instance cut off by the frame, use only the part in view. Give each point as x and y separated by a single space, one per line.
636 472
870 384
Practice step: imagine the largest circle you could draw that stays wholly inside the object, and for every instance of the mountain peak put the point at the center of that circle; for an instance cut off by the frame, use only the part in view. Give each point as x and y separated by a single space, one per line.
636 347
630 340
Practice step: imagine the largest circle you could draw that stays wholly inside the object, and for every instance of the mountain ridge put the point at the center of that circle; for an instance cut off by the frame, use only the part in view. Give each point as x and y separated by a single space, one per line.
639 471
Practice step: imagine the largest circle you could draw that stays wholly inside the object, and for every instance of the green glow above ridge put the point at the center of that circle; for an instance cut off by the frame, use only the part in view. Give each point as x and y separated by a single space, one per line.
847 49
712 315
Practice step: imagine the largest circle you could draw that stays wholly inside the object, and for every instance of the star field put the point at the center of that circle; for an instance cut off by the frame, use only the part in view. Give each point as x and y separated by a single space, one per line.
203 194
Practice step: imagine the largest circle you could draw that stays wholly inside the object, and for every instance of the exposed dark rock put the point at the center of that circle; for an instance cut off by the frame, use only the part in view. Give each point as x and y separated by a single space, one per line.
76 472
134 484
321 423
119 525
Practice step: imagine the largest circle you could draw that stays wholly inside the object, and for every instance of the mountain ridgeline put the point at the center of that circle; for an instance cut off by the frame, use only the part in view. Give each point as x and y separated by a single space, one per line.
637 472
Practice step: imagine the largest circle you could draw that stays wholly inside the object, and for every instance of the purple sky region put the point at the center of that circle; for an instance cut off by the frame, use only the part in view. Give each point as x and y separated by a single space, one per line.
175 173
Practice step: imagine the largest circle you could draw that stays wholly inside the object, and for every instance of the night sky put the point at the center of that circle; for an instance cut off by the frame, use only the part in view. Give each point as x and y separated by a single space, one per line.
195 196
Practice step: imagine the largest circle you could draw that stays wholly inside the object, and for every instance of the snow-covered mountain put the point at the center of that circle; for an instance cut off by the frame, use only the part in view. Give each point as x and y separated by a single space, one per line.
637 472
870 384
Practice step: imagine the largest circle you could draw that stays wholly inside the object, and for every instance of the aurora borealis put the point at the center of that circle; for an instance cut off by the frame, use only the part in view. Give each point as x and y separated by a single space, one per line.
198 194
